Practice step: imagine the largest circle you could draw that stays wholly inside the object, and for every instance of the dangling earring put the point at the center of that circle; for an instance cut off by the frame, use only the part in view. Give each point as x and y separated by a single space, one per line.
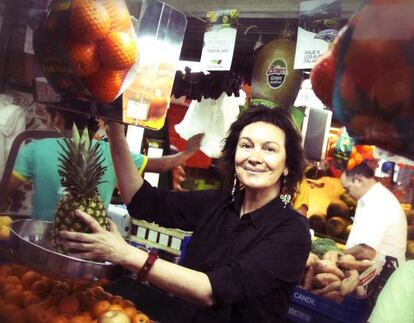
233 189
285 196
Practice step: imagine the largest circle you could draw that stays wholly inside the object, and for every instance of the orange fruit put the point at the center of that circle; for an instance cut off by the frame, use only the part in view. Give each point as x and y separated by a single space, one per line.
105 84
7 310
29 298
45 315
358 158
140 318
351 164
18 317
130 311
40 288
61 318
18 270
87 314
117 300
100 308
116 308
12 279
118 50
28 278
8 287
118 11
55 296
69 305
5 270
103 296
15 296
63 286
80 319
97 290
88 20
83 57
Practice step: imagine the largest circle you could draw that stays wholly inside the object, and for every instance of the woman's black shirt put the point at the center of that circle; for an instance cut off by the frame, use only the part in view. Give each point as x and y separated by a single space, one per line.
253 262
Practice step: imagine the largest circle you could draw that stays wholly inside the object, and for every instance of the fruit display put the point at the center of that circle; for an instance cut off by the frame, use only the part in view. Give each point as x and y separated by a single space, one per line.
373 94
86 48
80 170
273 77
30 297
5 222
334 275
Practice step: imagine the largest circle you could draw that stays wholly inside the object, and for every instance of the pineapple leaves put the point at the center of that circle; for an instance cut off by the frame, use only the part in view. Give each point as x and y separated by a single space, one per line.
80 165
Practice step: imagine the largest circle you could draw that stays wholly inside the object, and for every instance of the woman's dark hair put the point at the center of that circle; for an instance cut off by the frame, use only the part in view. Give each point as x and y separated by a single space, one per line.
81 120
362 169
295 159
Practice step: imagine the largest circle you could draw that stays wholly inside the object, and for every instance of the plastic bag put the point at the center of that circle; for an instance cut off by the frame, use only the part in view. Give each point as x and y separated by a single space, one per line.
87 48
213 118
373 95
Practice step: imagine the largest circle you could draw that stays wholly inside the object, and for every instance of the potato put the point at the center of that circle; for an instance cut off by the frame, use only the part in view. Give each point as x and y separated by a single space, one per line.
324 279
331 255
327 266
359 265
347 257
312 258
307 280
327 289
349 284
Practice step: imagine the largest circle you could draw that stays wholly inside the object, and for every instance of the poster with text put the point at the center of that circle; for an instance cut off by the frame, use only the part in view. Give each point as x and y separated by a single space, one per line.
318 25
219 40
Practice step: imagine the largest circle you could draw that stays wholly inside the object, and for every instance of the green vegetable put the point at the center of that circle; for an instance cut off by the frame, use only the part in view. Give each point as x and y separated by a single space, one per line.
322 245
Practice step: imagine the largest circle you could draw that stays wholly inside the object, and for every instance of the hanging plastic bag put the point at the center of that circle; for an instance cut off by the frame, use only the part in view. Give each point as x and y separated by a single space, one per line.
87 48
213 118
373 94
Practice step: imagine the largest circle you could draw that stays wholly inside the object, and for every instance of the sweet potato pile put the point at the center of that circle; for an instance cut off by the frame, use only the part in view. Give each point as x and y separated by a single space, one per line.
334 275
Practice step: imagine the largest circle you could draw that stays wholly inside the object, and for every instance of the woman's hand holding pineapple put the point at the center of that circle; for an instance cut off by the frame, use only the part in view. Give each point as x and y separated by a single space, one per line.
98 245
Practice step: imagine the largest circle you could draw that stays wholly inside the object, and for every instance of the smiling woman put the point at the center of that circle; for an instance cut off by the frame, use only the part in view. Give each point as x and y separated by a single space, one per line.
232 269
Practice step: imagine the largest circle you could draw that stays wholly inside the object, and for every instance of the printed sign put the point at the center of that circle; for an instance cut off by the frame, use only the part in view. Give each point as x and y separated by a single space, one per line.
219 40
318 26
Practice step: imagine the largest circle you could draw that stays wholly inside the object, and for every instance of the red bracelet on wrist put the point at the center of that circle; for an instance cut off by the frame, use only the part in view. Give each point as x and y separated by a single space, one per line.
152 257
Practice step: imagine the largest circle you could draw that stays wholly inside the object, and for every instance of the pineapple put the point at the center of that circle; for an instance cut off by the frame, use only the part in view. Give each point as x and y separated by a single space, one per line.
80 170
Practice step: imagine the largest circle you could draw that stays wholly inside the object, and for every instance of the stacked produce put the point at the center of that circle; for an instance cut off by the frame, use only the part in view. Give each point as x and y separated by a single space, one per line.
333 275
29 297
336 222
87 47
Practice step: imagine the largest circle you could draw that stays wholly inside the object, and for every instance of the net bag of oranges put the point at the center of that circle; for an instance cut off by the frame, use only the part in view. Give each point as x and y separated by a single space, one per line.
87 49
374 86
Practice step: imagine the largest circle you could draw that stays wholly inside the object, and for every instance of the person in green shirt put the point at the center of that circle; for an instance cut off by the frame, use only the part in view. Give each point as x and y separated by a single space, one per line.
395 303
38 162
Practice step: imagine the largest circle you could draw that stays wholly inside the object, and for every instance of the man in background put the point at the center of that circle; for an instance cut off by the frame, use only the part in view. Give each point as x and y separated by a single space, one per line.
380 224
